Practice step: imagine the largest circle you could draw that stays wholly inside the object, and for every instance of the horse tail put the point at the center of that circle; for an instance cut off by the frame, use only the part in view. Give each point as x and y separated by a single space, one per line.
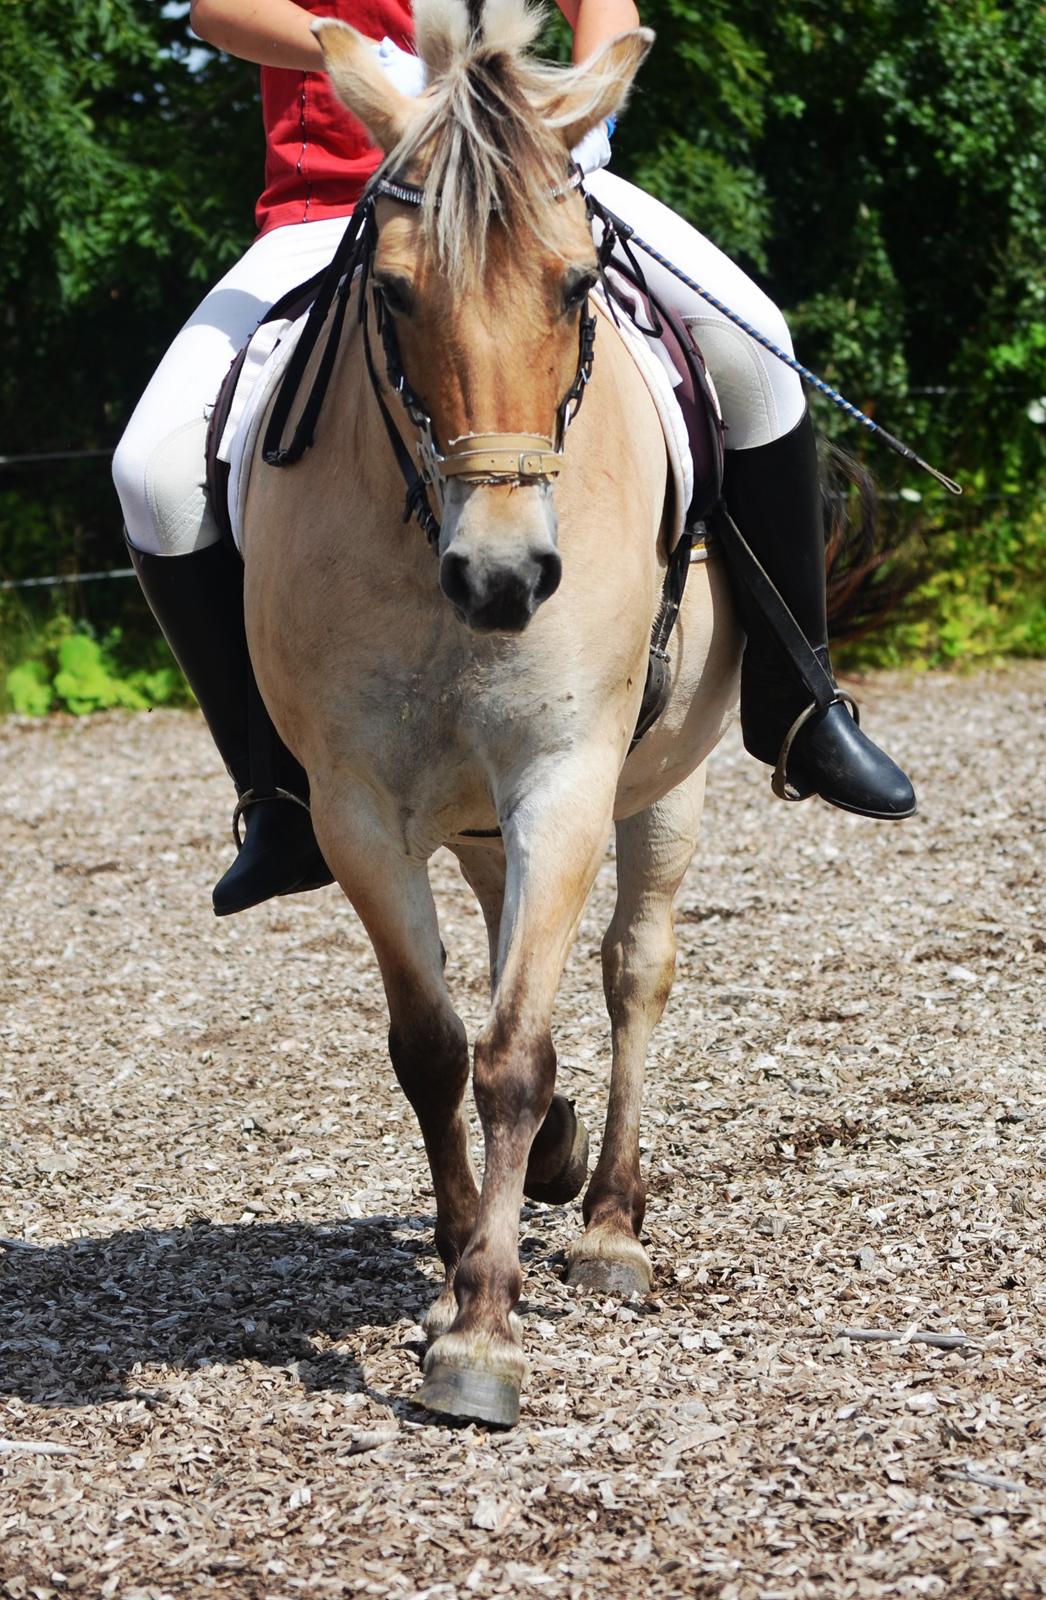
866 575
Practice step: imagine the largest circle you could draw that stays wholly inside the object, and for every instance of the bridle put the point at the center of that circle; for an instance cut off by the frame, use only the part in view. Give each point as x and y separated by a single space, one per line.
475 458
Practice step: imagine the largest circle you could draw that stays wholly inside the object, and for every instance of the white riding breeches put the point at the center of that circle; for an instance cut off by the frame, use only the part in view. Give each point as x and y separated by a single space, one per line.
159 466
761 398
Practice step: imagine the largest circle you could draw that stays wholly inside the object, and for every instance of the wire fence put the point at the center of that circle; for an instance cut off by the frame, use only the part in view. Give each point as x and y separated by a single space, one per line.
57 579
53 455
54 580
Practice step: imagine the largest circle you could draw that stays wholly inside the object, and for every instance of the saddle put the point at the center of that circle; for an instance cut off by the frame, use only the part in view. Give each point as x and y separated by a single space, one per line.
661 344
695 455
668 340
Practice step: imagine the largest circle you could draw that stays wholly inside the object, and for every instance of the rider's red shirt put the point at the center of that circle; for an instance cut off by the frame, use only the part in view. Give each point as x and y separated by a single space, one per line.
317 157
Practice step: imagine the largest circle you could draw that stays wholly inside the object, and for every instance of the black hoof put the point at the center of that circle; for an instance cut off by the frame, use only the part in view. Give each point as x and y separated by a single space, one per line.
470 1396
558 1164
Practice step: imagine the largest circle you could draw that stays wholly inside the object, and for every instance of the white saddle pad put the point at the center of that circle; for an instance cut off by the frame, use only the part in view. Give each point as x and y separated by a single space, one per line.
273 344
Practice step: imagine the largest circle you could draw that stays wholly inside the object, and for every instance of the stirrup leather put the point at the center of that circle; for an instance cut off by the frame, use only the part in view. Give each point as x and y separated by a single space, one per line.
780 783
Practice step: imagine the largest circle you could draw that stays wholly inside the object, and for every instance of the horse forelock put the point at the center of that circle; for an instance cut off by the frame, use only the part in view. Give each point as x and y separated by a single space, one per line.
483 151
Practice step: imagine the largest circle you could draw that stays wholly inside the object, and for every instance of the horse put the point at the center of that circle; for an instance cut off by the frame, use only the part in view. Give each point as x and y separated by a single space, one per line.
485 699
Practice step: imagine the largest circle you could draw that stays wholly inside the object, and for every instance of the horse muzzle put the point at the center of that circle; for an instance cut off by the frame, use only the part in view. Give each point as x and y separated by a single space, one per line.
498 560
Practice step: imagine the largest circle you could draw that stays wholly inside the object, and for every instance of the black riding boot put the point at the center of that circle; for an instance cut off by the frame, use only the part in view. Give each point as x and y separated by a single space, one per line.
198 601
773 494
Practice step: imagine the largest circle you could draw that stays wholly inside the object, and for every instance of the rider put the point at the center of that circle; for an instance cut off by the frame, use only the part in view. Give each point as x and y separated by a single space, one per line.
318 160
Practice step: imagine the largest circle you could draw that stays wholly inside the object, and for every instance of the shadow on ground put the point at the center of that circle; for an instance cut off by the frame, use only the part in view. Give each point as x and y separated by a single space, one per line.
77 1319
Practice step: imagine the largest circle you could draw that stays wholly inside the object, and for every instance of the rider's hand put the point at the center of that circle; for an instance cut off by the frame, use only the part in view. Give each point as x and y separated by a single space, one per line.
593 151
406 71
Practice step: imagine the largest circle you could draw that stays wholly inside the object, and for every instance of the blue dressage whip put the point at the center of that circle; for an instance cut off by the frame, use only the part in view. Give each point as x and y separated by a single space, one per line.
628 236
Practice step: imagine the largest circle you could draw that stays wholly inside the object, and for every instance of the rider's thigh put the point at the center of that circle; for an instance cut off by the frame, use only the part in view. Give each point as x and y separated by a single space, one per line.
761 398
158 466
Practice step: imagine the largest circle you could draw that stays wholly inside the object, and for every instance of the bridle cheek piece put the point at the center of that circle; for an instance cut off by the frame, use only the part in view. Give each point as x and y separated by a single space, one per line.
474 458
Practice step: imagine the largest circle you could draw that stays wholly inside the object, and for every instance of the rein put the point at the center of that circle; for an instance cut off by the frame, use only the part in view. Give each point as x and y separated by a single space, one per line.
479 458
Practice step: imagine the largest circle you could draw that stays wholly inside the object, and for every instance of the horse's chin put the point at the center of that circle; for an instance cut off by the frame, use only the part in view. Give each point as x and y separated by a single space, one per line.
494 619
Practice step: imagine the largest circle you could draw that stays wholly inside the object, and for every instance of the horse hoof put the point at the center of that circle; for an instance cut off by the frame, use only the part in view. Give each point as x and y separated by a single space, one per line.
550 1178
470 1395
601 1275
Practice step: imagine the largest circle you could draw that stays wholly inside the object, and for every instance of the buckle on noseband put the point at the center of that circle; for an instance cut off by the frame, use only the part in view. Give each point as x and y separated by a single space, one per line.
484 457
489 458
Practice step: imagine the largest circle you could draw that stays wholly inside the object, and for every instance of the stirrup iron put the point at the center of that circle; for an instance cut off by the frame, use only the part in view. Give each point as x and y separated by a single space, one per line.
780 783
248 798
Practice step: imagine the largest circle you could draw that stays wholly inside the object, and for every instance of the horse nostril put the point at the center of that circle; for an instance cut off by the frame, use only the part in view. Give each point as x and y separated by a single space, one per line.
453 577
551 568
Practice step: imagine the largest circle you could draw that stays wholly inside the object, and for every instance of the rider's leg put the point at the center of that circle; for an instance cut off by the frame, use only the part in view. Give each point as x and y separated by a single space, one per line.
198 601
773 493
192 581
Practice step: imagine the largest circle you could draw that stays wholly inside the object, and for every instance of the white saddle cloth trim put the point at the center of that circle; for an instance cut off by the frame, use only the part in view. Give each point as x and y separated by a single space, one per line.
273 344
268 352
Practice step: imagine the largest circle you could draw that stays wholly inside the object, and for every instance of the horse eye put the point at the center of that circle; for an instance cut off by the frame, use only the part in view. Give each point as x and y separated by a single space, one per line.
398 295
579 283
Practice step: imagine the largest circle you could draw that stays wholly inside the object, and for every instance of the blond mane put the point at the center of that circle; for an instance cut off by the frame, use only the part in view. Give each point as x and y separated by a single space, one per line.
490 148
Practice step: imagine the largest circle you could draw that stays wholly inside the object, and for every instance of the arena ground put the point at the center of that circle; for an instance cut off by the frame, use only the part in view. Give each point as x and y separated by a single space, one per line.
217 1215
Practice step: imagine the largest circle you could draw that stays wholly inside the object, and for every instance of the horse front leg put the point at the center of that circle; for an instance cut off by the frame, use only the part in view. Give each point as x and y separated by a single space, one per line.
427 1043
654 850
558 1163
554 842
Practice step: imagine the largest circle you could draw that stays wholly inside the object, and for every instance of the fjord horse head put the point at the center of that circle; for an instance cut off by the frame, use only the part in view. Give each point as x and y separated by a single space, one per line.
485 278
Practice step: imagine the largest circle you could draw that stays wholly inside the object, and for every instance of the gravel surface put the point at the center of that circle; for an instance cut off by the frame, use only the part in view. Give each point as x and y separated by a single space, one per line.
218 1222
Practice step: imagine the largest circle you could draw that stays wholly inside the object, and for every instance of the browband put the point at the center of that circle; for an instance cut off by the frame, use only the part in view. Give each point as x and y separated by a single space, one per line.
412 194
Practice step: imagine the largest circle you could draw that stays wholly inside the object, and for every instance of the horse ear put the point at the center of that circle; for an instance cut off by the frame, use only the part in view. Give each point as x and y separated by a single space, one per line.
598 88
362 84
441 33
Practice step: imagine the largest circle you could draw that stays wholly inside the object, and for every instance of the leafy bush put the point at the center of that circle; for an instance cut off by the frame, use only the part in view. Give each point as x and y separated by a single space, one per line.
981 597
29 689
63 666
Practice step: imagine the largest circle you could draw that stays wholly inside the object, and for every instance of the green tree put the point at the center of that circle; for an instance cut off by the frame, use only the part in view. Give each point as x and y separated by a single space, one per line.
127 165
125 161
880 167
